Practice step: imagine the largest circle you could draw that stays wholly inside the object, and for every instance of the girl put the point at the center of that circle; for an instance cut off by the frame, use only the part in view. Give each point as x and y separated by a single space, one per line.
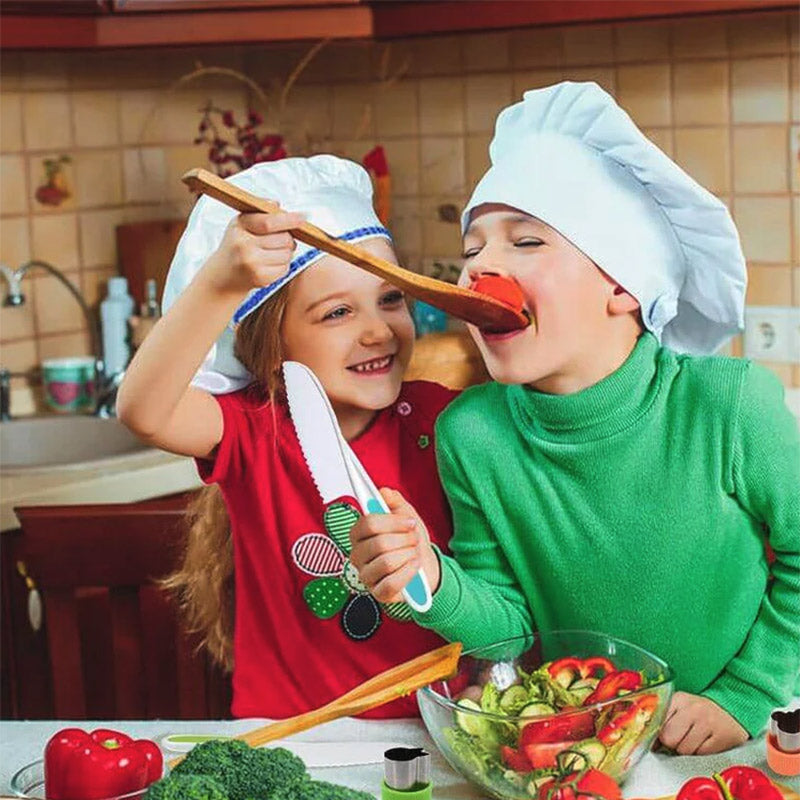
305 630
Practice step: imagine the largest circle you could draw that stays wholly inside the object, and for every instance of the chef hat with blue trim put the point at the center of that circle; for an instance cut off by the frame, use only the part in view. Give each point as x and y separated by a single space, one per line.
335 194
571 157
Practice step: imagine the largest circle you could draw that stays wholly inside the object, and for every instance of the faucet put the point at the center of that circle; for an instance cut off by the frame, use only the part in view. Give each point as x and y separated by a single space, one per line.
105 385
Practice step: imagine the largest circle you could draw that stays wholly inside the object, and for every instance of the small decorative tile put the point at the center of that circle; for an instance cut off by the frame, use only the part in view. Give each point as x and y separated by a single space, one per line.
644 92
537 47
705 154
397 109
442 166
758 34
46 117
13 189
10 122
760 159
701 93
96 119
486 96
53 179
441 106
589 44
764 225
768 286
486 52
699 37
642 41
760 88
54 239
98 178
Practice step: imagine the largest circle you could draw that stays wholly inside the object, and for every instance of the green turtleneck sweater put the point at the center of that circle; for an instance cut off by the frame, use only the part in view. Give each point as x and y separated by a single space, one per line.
637 507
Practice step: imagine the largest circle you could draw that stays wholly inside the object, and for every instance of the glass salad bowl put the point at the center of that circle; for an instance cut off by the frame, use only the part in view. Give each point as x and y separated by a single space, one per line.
519 711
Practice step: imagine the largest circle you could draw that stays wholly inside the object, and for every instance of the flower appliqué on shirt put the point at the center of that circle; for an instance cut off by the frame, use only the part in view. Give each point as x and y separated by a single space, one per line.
336 587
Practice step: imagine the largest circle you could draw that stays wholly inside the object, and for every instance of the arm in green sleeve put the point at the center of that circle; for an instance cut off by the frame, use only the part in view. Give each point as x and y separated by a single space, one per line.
478 601
766 480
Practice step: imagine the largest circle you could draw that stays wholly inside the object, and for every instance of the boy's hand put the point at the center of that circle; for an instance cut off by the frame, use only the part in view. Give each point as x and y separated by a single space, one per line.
389 548
698 726
256 250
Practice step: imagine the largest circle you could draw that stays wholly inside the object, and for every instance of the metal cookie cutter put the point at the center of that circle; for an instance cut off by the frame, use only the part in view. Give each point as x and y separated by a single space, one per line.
783 742
407 774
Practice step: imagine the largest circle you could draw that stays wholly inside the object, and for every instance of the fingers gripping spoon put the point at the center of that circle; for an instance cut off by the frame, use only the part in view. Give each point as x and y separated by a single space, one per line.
336 470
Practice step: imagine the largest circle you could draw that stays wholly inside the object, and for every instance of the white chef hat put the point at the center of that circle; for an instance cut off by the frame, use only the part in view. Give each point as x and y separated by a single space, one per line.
570 156
335 194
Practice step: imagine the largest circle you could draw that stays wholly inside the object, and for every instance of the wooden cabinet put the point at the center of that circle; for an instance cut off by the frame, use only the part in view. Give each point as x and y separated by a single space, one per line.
81 24
111 645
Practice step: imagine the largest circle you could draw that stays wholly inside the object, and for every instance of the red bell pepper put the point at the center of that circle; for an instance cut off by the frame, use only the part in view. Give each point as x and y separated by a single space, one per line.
544 755
514 759
571 668
614 683
734 783
592 666
638 712
588 783
569 726
104 763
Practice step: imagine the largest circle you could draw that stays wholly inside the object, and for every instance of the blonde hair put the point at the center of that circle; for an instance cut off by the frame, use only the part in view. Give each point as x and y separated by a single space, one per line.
203 584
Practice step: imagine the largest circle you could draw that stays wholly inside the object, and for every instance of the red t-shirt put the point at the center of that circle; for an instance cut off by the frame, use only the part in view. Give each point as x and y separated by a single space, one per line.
306 631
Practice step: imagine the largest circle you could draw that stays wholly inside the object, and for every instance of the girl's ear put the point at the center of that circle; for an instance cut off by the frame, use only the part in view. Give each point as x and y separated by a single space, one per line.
621 302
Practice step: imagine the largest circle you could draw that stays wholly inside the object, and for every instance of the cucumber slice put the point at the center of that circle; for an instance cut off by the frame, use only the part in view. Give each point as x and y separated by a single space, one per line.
593 749
472 724
513 697
533 710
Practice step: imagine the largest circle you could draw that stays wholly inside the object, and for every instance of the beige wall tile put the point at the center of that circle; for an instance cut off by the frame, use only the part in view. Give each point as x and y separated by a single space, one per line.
94 284
46 117
307 117
795 88
663 138
11 70
699 37
437 55
760 159
38 178
271 64
589 44
65 346
144 174
352 110
642 41
441 105
397 109
45 71
98 178
763 224
338 61
141 120
796 230
393 58
17 322
54 239
536 47
442 166
19 356
486 52
10 122
97 236
605 77
56 310
796 286
701 93
439 239
758 34
180 160
15 245
644 92
477 151
96 119
760 89
406 227
769 286
486 96
404 161
705 154
13 188
181 113
534 79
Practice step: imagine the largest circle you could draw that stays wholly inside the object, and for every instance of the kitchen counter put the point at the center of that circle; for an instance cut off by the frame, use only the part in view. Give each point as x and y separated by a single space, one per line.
655 775
125 478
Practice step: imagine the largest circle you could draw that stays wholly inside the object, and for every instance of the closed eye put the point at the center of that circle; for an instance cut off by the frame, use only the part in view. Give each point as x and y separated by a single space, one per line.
471 252
528 241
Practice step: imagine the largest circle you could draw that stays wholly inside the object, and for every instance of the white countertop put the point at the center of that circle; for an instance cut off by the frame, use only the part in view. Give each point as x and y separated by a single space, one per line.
655 775
126 478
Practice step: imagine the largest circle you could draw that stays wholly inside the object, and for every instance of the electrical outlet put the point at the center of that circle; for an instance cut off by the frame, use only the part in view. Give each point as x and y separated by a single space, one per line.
772 333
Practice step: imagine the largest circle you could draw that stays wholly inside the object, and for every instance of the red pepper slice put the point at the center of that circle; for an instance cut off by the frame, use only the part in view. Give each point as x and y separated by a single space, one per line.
544 755
590 667
514 759
610 686
570 726
590 784
569 667
105 763
615 728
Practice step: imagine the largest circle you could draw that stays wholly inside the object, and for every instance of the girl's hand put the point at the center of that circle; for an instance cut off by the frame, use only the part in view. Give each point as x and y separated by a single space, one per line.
256 250
389 548
698 726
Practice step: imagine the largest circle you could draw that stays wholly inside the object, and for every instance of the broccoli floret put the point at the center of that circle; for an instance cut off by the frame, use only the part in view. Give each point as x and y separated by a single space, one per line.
319 790
244 772
186 787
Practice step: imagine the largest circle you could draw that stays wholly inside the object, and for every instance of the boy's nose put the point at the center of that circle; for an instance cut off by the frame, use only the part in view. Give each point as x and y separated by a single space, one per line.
476 271
376 331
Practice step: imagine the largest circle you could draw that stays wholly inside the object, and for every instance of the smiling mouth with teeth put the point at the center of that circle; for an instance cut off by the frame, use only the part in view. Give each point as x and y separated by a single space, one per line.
372 366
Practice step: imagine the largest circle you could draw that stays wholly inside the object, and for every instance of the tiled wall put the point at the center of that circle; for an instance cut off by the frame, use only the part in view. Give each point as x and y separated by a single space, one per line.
721 94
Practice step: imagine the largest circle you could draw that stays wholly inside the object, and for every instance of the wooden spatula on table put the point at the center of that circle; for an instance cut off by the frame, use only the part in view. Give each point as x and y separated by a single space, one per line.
479 309
383 688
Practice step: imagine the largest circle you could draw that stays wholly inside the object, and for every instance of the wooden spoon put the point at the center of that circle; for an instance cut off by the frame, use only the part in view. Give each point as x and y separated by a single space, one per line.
383 688
479 309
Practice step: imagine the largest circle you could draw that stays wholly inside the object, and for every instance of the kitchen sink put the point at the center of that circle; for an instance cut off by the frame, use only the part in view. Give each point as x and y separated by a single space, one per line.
40 442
